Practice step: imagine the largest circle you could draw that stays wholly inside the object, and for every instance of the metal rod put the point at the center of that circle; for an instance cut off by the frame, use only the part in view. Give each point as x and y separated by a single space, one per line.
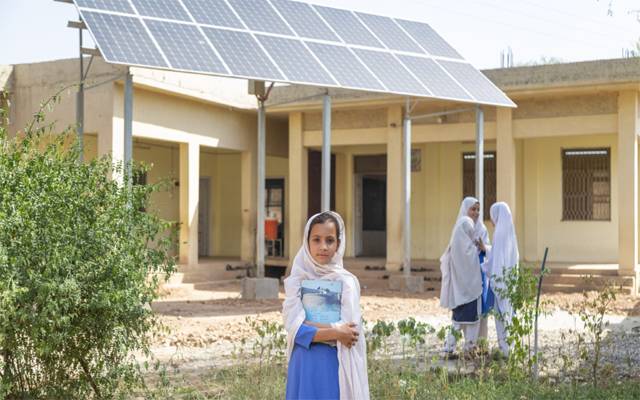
326 153
480 158
535 335
128 125
262 119
442 113
80 102
407 189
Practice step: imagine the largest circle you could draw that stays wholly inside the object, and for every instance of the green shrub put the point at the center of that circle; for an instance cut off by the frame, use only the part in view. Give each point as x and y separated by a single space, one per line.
79 266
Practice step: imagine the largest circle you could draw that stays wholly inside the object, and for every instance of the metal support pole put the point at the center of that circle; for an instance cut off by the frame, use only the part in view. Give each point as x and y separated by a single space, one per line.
480 158
262 120
128 125
326 153
80 101
407 189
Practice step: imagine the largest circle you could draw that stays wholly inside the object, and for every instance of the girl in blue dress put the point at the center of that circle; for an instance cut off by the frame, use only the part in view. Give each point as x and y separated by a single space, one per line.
326 361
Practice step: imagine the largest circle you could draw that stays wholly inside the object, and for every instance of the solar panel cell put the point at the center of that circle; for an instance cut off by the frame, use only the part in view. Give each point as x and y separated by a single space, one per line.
295 60
304 20
213 12
389 33
169 9
434 77
348 27
123 39
349 71
428 38
475 82
258 15
392 74
242 54
122 6
185 47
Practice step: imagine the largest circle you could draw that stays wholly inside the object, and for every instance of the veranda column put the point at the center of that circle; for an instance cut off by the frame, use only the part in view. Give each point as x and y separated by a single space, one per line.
189 196
506 154
248 187
628 129
298 185
395 200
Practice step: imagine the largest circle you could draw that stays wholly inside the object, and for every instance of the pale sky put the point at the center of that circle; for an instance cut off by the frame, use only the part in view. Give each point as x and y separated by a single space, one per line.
570 30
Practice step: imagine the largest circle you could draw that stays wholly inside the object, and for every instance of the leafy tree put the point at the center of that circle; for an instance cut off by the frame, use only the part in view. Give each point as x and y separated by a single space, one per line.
79 266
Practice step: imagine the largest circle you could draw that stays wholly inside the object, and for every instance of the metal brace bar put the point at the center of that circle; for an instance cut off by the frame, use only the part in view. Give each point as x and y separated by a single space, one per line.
442 113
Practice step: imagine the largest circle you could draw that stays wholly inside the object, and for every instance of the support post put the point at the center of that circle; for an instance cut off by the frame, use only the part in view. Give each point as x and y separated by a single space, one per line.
128 125
326 154
260 287
261 191
406 282
480 158
407 190
80 101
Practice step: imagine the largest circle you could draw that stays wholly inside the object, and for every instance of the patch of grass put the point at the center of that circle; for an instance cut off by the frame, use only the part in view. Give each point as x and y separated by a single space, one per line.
386 381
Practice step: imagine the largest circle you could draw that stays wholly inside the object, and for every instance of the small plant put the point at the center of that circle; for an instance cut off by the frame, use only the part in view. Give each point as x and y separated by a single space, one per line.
592 312
379 337
271 344
519 285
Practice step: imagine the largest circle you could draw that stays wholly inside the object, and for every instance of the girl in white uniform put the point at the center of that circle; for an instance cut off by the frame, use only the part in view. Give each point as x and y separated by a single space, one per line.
502 257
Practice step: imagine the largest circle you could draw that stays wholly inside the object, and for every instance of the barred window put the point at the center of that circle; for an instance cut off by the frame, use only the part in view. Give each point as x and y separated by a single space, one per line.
586 185
469 179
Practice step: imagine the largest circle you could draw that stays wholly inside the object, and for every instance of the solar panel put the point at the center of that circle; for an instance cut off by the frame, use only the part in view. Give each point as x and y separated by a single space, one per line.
349 71
389 33
213 12
293 58
348 27
185 47
475 82
392 74
243 54
428 39
258 15
434 77
122 6
123 39
169 9
304 20
286 41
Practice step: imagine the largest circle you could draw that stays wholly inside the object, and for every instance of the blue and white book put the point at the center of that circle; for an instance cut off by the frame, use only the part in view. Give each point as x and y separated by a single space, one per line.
321 300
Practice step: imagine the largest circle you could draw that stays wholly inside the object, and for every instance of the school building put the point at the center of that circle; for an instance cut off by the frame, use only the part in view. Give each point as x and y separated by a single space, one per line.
566 161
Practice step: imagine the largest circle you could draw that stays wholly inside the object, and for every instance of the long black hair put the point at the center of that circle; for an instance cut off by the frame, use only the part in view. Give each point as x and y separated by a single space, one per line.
321 219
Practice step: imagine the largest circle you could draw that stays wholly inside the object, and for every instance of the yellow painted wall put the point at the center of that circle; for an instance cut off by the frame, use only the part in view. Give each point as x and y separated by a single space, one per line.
569 241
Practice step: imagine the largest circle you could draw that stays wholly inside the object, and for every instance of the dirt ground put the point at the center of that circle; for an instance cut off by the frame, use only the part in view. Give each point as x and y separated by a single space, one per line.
219 318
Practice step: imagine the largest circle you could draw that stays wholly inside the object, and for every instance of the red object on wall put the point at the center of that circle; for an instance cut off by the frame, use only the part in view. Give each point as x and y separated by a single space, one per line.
271 229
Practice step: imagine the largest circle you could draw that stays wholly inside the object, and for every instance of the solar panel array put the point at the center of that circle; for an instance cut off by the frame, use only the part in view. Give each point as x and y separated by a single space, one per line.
286 41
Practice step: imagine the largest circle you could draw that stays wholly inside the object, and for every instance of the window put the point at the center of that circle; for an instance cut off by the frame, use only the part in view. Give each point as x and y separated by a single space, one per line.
469 179
586 185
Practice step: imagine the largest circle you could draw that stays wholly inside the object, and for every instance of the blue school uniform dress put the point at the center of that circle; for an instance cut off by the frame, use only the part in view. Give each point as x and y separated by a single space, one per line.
488 298
313 368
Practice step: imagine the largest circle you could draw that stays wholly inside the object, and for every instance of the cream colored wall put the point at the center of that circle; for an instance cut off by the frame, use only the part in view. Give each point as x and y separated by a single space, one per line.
569 241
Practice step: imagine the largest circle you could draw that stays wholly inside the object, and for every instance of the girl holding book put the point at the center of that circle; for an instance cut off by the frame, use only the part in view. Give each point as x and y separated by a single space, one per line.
327 360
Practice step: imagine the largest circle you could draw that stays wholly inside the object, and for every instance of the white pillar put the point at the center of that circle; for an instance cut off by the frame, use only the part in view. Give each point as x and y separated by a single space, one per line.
506 165
128 124
628 130
189 197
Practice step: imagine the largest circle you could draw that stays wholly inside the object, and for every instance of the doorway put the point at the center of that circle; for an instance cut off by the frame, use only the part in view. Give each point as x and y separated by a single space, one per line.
370 202
203 216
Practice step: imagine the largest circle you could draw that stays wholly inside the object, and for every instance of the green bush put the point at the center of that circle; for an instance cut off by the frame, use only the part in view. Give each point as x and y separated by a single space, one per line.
79 266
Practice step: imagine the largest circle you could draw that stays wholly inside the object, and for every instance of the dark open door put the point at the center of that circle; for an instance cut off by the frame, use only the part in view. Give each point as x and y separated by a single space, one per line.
315 182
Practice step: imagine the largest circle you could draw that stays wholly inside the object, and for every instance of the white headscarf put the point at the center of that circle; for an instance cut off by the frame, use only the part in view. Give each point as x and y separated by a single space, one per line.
479 229
504 254
352 369
460 265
